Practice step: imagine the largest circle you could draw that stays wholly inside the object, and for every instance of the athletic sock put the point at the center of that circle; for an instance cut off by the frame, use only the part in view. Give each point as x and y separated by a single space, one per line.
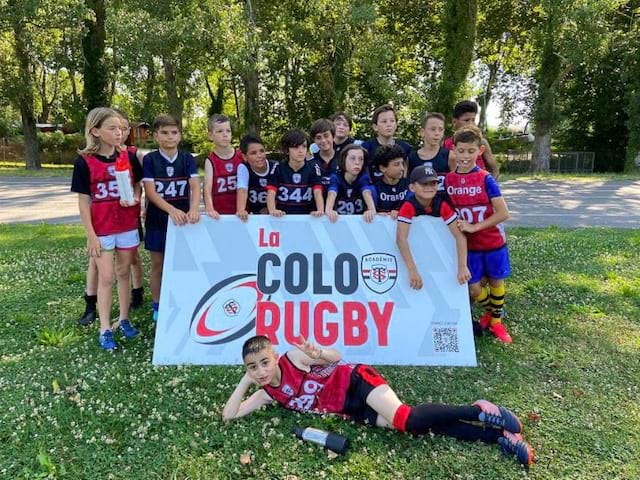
420 419
90 301
137 292
497 303
484 298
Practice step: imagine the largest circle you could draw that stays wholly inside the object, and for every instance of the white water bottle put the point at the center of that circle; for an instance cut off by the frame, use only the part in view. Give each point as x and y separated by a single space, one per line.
123 177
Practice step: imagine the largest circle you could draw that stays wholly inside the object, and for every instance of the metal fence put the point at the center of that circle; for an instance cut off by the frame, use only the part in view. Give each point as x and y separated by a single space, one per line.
520 161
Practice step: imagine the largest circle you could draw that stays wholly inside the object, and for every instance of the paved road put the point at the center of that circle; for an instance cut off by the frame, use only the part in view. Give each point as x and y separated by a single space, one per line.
532 203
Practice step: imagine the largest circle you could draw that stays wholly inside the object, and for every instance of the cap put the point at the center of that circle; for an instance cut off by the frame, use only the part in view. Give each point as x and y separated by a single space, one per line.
423 174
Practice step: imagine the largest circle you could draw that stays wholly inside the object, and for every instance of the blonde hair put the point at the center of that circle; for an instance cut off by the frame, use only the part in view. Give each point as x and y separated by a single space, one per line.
95 119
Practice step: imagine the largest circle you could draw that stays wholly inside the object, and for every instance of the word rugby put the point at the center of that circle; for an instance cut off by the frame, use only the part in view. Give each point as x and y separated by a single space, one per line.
338 284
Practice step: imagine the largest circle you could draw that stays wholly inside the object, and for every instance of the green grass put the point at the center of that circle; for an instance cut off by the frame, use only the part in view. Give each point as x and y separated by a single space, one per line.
15 169
69 410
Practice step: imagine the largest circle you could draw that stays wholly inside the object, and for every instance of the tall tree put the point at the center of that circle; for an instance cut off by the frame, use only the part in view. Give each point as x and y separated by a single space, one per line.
22 86
96 75
566 34
459 29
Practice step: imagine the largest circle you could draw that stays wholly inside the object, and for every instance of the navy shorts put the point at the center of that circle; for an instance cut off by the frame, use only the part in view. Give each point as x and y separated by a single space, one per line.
364 378
155 240
493 264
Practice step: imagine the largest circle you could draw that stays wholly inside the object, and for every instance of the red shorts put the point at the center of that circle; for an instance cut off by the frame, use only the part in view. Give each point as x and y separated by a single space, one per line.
364 378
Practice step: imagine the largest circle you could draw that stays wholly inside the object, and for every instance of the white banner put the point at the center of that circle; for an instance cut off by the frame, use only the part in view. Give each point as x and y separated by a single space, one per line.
340 284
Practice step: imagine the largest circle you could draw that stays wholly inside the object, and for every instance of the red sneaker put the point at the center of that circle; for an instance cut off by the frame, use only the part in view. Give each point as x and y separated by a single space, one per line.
485 320
500 332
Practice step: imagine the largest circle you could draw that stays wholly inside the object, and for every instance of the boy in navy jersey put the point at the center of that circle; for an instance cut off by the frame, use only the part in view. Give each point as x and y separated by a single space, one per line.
423 182
384 124
464 113
172 187
432 154
392 187
221 169
477 197
350 190
253 177
322 133
313 379
295 186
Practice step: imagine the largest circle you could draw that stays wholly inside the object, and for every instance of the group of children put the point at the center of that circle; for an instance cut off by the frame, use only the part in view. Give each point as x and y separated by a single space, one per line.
454 179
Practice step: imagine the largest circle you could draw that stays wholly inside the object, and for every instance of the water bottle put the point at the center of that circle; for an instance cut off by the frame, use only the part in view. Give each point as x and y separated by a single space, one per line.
331 441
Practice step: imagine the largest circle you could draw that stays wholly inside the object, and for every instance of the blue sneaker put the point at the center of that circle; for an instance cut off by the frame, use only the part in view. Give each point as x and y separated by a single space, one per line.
514 444
154 316
106 341
498 417
128 330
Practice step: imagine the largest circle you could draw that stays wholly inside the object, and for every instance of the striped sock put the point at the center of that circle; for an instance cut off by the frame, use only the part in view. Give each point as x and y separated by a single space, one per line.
497 302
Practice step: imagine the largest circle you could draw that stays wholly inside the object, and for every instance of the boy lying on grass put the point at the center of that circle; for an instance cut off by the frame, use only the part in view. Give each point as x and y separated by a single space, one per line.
311 379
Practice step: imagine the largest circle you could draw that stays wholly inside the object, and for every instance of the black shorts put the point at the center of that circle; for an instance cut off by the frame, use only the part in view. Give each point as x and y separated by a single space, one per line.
364 378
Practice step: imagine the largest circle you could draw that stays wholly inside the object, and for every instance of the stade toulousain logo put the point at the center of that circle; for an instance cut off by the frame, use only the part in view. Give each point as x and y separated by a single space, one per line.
227 311
379 271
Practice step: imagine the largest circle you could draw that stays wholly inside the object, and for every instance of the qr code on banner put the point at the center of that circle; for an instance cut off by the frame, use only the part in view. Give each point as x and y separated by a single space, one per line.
445 339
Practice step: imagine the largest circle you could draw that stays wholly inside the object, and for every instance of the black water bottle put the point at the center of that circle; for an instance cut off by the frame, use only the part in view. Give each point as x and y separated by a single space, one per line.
331 441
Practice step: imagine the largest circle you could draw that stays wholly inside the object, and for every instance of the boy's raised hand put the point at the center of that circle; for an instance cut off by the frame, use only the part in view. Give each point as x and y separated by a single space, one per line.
310 349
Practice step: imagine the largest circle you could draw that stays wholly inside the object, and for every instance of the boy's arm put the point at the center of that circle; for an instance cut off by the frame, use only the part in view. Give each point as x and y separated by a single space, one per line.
236 407
177 215
452 161
242 194
402 241
194 202
84 206
328 209
370 213
464 275
318 196
500 214
308 353
489 160
271 203
208 189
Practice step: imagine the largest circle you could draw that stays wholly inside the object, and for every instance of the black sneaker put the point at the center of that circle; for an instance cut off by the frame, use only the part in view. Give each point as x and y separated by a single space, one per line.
88 317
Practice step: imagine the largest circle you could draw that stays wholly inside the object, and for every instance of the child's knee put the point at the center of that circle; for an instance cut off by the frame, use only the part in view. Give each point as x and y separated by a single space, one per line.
475 289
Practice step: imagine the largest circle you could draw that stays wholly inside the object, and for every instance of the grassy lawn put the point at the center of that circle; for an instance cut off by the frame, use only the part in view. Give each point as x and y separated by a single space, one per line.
70 410
14 169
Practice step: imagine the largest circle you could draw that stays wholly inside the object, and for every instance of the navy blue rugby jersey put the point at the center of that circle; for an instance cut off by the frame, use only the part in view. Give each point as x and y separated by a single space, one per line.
294 188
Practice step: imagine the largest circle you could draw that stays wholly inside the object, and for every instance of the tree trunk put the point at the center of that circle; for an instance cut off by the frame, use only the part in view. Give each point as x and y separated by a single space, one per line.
484 100
250 75
459 23
175 104
96 78
547 77
542 151
150 84
251 102
24 97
